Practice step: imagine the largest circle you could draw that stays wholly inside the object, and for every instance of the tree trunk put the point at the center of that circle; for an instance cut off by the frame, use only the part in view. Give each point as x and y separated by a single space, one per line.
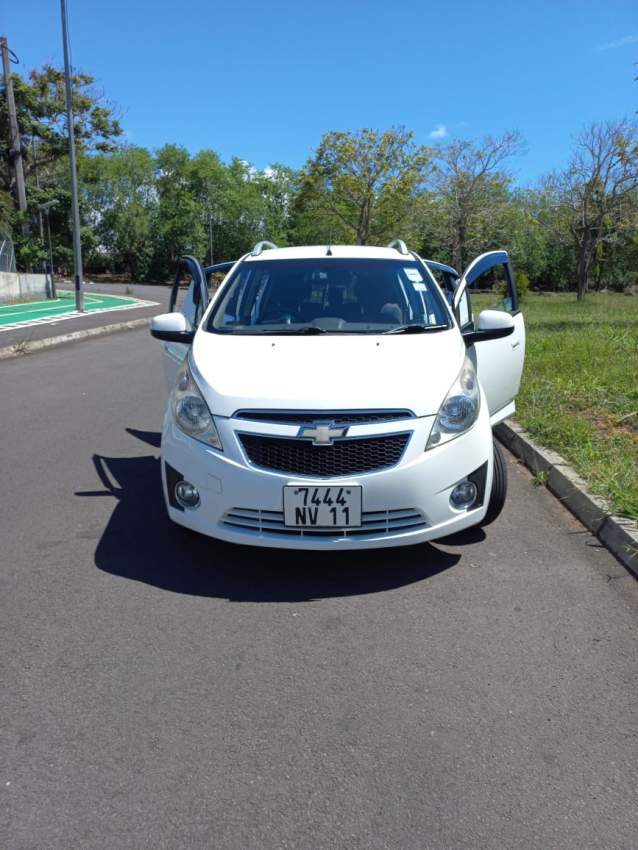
363 226
461 236
584 262
456 247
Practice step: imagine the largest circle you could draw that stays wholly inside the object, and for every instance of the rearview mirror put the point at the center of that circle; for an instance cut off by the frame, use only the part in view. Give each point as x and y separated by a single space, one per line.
492 324
172 327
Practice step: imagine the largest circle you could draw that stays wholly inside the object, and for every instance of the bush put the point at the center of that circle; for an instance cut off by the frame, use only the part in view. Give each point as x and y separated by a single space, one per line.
616 279
522 286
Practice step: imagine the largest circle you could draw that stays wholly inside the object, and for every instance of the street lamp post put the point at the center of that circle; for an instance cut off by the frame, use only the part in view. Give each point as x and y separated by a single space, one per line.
44 208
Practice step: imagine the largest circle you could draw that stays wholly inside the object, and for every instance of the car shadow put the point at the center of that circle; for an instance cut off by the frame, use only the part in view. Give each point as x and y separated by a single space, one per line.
140 543
153 438
475 534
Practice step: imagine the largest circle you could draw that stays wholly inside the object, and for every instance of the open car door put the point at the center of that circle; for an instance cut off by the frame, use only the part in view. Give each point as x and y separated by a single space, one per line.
499 361
448 276
191 301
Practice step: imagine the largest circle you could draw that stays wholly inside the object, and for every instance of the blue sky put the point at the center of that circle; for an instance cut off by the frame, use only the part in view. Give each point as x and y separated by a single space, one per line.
263 81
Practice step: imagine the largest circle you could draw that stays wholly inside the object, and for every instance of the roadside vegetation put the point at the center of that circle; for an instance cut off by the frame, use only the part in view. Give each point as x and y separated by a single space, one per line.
574 230
579 394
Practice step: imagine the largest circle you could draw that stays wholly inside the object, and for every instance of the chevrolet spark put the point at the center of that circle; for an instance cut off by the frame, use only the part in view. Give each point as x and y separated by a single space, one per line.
337 397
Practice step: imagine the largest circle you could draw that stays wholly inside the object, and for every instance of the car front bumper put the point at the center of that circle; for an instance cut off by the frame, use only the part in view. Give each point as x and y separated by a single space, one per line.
405 504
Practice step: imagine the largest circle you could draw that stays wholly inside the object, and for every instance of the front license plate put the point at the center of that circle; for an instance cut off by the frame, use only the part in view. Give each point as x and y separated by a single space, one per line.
322 507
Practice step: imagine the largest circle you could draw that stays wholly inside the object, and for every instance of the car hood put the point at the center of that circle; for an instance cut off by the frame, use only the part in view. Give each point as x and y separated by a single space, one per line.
328 372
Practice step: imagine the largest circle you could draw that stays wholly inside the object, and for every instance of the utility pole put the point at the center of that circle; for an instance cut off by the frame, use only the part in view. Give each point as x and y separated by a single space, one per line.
75 206
15 151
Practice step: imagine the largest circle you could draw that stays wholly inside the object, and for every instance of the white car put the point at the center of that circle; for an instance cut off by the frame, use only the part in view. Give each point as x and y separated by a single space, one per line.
337 397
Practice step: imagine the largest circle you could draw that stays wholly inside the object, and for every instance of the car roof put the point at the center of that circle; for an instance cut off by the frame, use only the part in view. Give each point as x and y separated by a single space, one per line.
311 252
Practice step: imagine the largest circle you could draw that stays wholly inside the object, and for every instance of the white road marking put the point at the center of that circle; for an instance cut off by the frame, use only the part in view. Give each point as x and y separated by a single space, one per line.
91 299
60 317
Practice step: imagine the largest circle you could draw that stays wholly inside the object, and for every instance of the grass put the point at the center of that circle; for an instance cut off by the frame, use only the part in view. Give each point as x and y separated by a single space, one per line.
579 393
21 347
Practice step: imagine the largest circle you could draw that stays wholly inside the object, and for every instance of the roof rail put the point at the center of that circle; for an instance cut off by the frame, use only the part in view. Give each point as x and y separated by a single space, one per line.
400 245
261 246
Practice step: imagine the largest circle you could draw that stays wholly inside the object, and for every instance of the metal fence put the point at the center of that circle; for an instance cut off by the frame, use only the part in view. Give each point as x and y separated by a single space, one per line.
7 254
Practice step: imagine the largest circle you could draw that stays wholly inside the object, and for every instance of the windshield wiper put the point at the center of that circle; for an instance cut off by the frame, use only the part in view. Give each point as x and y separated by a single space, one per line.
306 329
416 329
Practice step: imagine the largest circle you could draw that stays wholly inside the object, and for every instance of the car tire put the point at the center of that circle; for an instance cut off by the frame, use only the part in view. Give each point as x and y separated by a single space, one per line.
499 487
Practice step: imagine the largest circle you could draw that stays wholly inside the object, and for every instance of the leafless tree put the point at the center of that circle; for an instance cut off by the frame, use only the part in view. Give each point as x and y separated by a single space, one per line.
600 186
464 172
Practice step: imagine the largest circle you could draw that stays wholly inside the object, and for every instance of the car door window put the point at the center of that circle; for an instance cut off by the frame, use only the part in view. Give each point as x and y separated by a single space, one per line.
495 289
490 286
189 294
464 311
185 299
490 289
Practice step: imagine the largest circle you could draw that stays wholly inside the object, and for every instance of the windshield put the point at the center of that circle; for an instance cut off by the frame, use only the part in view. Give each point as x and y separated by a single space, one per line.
328 295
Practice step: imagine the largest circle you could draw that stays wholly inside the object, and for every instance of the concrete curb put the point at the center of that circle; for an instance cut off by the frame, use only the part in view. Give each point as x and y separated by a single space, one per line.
51 341
618 534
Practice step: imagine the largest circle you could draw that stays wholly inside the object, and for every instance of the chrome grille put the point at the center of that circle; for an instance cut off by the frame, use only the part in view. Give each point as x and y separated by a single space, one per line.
255 521
346 456
339 417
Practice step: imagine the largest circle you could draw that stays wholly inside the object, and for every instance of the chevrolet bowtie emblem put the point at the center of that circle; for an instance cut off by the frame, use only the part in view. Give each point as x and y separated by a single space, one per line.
322 433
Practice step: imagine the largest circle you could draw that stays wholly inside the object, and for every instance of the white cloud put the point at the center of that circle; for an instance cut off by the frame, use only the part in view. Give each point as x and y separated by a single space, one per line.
622 42
439 132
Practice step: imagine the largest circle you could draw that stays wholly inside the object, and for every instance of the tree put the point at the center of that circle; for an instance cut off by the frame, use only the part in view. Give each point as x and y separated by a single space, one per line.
210 185
469 184
120 202
178 223
277 185
252 205
6 210
361 186
536 235
599 191
41 113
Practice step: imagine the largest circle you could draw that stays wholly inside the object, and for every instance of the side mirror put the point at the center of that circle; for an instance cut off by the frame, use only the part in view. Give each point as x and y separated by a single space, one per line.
492 324
172 327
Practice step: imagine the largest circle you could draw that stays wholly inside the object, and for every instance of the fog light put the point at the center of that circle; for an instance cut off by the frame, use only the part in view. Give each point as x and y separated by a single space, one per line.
187 494
463 494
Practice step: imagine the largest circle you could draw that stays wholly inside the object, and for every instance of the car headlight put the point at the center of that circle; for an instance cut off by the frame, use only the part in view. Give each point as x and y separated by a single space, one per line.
459 410
191 412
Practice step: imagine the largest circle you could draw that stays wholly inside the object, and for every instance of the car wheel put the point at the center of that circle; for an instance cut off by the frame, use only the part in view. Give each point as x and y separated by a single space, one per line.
499 486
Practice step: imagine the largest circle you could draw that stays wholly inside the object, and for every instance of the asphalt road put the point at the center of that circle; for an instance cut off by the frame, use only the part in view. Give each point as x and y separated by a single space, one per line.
163 691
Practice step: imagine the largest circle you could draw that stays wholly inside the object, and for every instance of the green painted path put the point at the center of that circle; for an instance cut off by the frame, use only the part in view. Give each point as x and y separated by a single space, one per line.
63 307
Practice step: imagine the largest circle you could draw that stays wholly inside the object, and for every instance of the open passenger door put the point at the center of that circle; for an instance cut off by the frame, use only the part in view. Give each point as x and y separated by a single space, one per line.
496 339
190 301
